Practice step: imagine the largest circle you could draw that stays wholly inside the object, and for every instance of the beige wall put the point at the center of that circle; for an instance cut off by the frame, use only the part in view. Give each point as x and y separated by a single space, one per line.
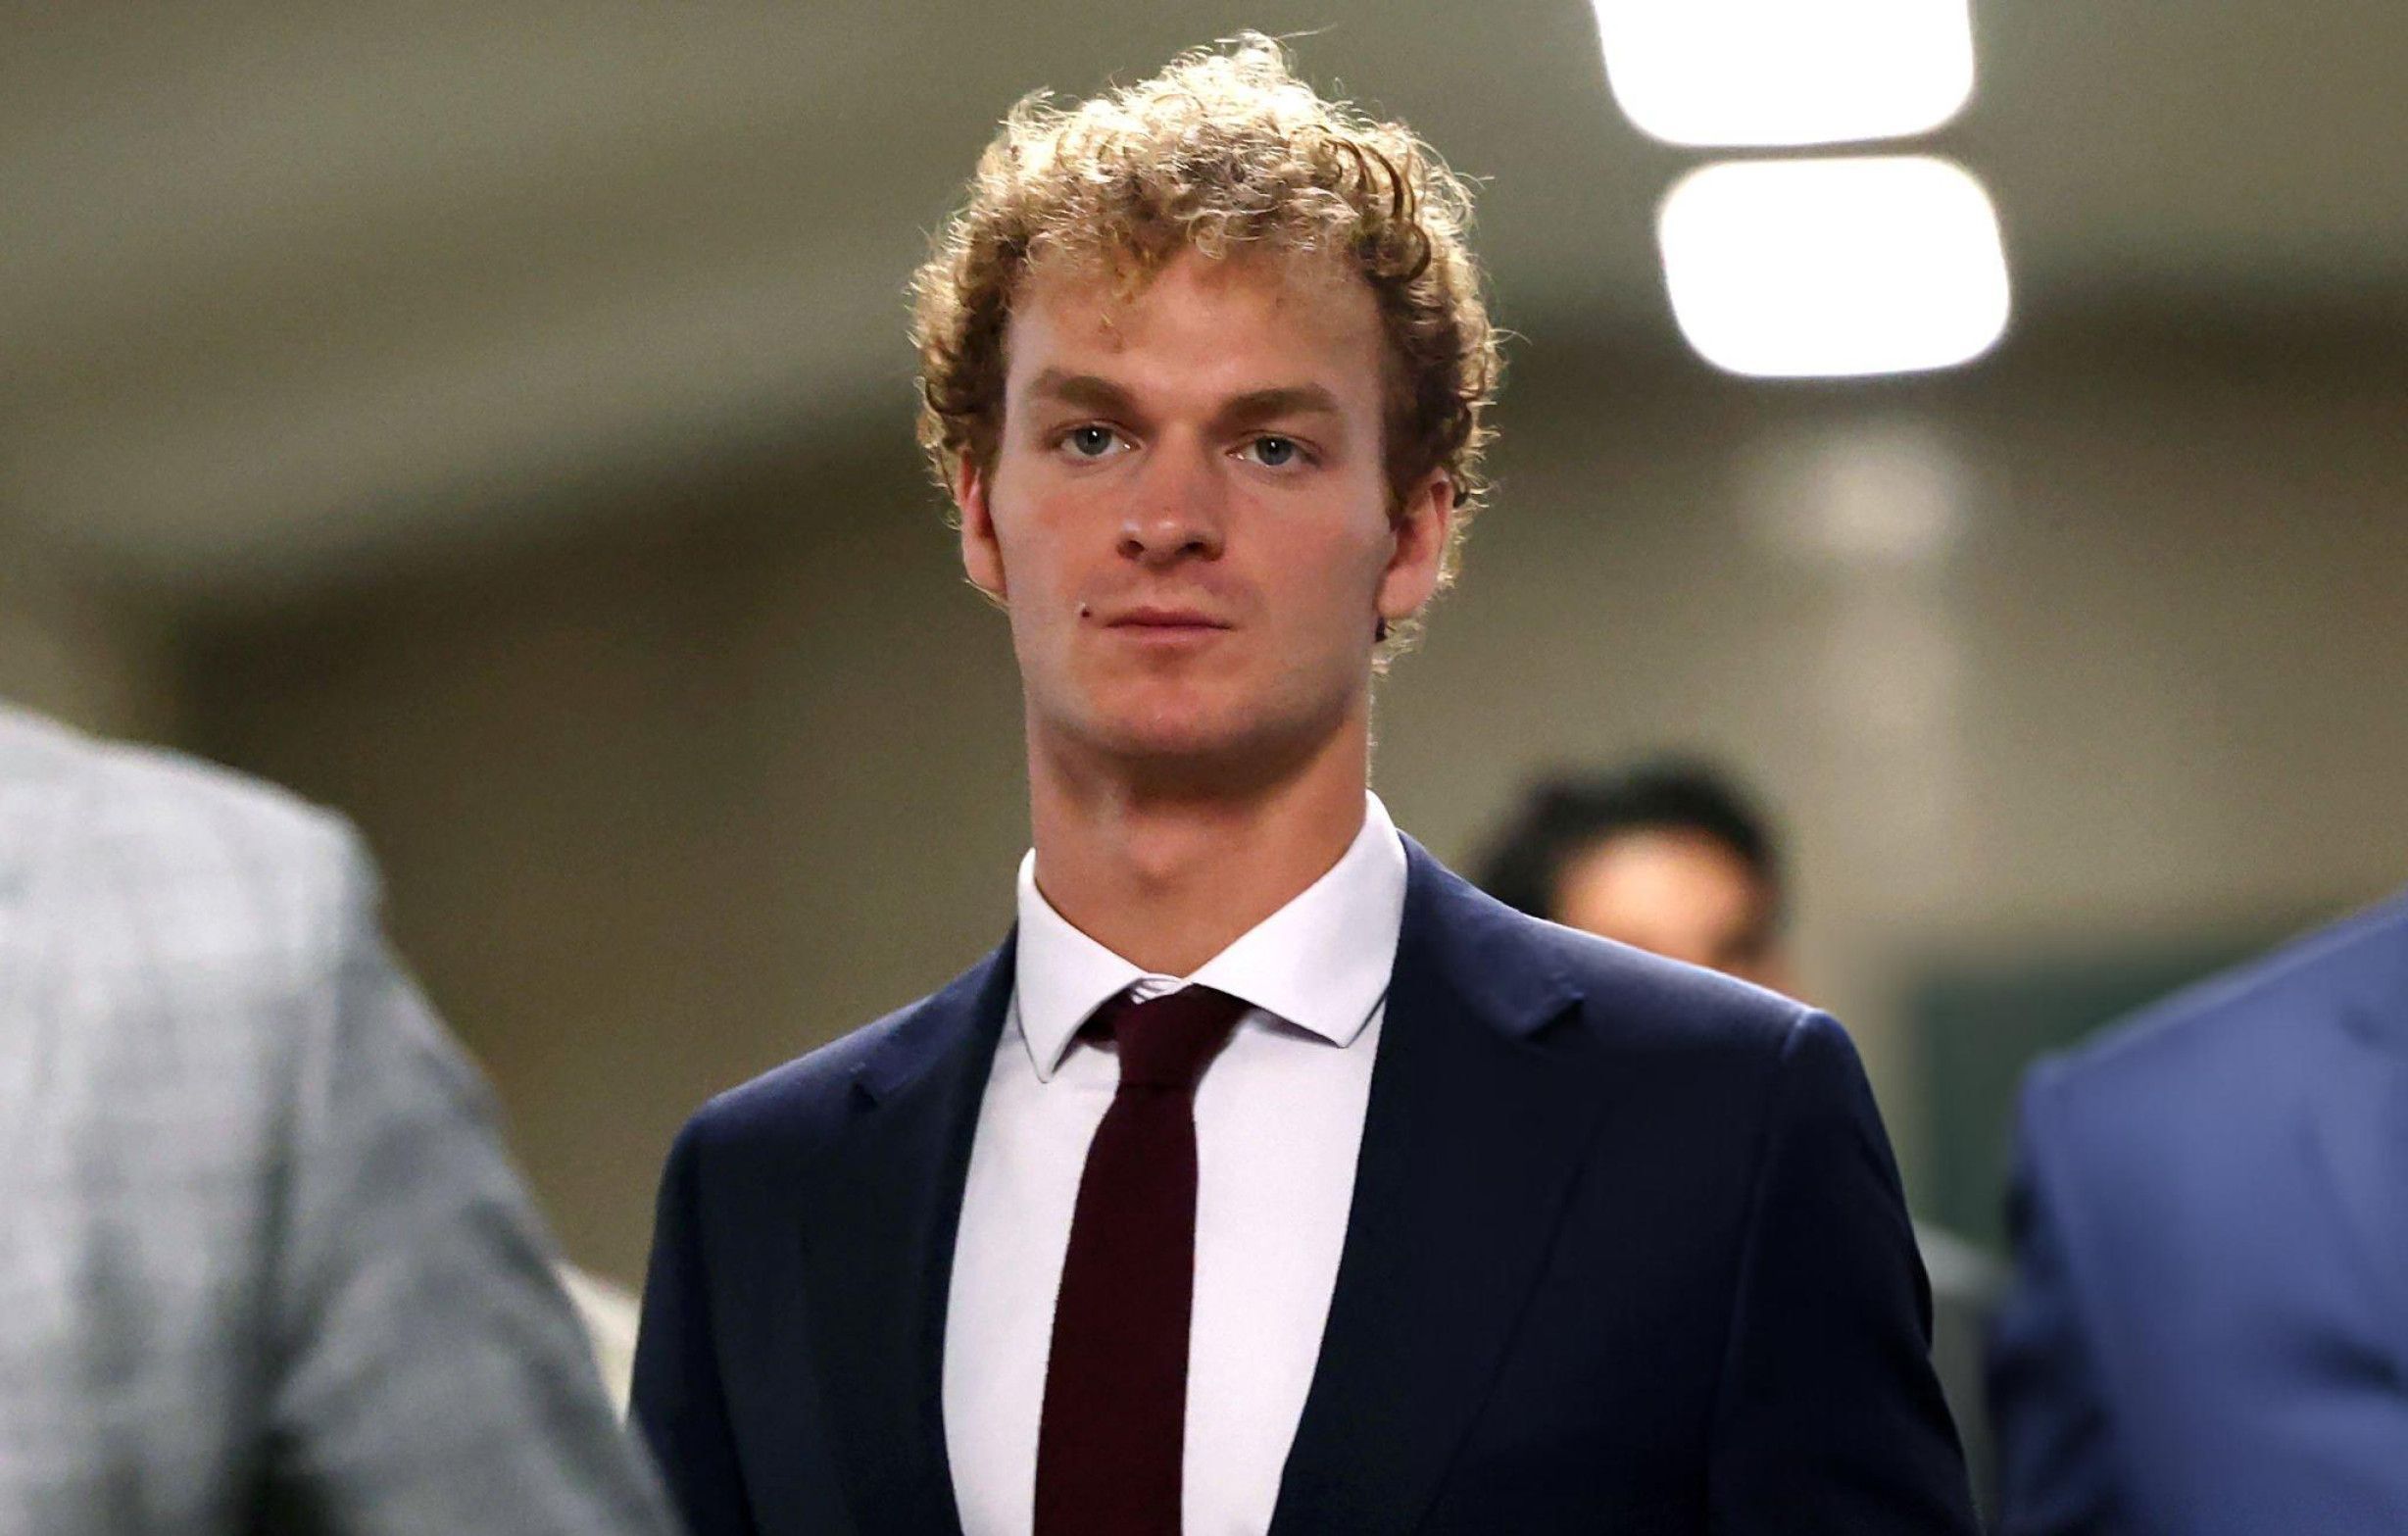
2099 641
78 649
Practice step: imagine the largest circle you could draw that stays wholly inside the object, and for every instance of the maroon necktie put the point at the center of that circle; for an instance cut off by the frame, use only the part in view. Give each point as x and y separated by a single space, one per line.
1111 1441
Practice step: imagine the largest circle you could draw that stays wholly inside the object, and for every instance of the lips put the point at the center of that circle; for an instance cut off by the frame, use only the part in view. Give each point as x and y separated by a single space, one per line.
1172 620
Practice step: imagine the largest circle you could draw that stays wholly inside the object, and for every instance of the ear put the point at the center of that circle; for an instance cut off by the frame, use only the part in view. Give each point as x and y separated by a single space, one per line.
982 554
1421 525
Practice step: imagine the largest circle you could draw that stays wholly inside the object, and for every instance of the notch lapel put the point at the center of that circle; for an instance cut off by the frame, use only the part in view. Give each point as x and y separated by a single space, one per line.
877 1248
1471 1140
2360 1127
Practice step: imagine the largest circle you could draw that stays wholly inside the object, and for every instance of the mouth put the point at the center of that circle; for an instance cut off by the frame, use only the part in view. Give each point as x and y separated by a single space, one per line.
1167 624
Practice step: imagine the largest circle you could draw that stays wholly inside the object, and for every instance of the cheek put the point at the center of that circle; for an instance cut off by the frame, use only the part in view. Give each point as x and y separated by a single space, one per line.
1047 525
1049 582
1341 574
1027 542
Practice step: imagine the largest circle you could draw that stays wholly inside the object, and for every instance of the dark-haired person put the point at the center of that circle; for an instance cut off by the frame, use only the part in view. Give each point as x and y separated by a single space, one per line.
1670 856
1268 1177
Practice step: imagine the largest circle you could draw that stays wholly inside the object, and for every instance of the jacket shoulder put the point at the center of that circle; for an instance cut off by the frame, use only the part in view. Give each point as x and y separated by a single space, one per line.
136 813
224 884
1604 1002
812 1085
1636 1000
2242 1030
1518 960
796 1105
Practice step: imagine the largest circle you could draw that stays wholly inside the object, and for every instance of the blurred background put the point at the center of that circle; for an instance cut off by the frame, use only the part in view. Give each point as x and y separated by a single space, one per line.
495 421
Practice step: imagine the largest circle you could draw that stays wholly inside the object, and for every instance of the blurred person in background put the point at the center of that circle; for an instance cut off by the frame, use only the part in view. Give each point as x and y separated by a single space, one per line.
1673 854
1124 1232
262 1261
2208 1330
1669 855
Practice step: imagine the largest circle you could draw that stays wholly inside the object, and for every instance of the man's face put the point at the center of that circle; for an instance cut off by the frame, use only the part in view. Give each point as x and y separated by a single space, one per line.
1678 893
1187 513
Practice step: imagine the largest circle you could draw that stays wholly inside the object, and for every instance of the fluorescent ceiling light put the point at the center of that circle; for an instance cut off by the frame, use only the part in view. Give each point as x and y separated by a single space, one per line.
1786 71
1799 269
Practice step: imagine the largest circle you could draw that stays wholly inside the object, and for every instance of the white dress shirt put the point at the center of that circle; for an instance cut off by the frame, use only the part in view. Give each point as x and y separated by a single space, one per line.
1279 1120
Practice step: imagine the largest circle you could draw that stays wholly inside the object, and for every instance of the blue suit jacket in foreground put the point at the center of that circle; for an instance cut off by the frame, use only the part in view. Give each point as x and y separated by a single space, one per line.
2209 1332
1627 1253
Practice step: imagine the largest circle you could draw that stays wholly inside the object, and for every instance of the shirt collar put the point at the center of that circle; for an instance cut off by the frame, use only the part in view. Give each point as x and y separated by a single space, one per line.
1321 962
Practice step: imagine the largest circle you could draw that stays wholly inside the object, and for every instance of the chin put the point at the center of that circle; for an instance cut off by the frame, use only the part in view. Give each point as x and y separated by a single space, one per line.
1156 738
1212 748
1196 726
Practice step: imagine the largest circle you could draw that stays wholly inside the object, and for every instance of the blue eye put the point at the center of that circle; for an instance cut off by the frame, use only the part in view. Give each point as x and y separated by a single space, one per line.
1274 452
1091 442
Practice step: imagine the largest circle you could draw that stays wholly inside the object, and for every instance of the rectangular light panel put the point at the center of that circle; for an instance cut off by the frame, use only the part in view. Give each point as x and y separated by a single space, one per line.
1781 72
1805 269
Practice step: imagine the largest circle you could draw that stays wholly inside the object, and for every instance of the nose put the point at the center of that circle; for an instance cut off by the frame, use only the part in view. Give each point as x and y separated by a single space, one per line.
1176 513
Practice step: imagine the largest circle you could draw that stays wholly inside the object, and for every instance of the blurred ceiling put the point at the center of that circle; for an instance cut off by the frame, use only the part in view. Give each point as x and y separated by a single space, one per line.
284 288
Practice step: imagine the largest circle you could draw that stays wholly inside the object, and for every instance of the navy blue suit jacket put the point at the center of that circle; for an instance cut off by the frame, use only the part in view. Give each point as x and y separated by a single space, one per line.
2209 1330
1627 1253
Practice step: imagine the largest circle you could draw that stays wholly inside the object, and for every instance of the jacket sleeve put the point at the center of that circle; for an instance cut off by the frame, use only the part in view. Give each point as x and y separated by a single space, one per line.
1829 1419
427 1371
679 1403
2054 1445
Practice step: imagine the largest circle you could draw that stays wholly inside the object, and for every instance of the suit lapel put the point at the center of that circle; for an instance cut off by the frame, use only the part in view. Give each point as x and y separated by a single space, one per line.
877 1253
1470 1141
2360 1127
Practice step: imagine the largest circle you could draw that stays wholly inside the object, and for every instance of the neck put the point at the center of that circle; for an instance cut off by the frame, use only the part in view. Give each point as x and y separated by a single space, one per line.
1168 867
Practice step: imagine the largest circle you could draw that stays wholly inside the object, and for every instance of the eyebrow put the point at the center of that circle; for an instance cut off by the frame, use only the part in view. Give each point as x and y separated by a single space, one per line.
1084 390
1088 392
1265 405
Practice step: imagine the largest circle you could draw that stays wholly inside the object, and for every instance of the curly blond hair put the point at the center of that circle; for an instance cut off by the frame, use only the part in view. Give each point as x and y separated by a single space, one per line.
1224 151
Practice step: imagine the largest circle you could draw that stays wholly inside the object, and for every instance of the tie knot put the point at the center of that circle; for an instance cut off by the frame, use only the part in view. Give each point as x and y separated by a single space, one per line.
1167 1041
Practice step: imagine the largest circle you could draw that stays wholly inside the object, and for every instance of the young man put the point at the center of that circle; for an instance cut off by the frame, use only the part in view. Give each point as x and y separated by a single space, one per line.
1268 1177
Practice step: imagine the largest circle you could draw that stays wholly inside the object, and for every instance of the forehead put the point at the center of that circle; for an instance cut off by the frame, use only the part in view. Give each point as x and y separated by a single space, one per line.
1238 318
1663 866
